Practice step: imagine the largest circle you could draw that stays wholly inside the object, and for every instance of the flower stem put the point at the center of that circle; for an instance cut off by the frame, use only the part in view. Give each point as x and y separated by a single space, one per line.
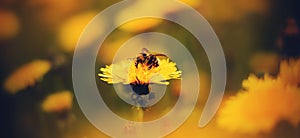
139 114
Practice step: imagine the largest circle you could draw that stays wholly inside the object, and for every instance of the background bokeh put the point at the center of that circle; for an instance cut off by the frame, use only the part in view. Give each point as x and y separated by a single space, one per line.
254 36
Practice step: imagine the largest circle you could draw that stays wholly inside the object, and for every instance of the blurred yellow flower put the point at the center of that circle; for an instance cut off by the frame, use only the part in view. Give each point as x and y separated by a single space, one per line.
135 10
192 3
57 102
72 28
255 6
51 13
10 25
143 24
232 10
26 75
145 7
260 105
110 47
290 72
140 25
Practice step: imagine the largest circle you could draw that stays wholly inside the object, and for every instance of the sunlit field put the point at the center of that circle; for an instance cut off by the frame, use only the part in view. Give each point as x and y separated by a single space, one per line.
39 38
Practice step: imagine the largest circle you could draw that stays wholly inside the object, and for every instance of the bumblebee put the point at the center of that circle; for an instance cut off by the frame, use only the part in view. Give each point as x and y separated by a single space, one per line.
147 59
150 61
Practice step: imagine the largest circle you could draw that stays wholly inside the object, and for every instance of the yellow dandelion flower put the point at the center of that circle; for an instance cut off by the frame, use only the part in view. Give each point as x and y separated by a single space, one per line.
57 102
26 75
116 73
145 69
165 71
290 72
262 104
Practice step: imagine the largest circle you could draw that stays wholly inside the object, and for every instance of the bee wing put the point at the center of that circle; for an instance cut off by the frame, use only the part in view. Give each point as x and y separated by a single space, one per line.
158 55
131 59
145 50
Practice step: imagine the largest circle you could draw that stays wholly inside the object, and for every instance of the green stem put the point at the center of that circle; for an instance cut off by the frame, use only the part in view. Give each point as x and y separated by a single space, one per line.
139 114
